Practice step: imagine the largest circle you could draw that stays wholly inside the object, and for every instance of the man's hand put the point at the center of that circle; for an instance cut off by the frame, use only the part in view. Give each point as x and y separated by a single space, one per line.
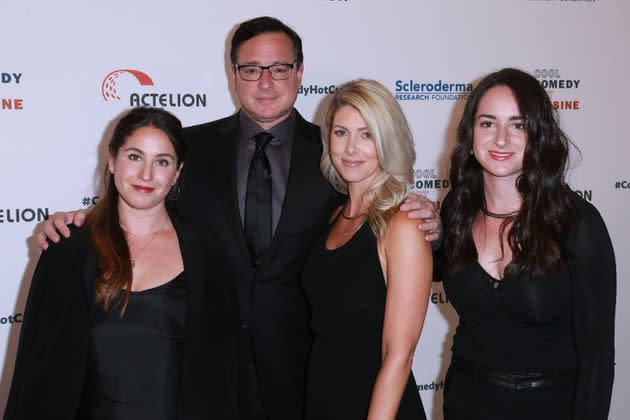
419 207
57 224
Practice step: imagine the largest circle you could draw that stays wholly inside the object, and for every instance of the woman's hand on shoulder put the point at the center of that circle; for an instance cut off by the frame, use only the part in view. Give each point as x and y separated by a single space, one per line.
57 226
425 213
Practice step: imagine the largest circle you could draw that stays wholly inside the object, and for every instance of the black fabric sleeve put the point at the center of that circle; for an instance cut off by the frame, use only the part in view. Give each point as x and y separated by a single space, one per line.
50 315
593 282
440 262
33 322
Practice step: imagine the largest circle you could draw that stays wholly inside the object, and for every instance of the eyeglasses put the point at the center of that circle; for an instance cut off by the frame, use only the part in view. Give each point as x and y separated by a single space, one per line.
276 71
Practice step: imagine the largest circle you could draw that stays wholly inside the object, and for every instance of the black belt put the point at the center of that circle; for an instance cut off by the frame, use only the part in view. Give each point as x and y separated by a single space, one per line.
520 381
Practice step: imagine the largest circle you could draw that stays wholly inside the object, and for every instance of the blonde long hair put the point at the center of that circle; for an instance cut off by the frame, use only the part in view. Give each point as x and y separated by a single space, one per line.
394 146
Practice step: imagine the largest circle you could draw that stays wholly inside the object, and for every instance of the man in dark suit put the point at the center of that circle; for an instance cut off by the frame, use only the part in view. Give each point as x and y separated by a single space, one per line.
260 248
273 317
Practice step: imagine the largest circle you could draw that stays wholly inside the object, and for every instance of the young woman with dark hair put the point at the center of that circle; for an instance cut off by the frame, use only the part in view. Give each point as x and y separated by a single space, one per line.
528 265
118 319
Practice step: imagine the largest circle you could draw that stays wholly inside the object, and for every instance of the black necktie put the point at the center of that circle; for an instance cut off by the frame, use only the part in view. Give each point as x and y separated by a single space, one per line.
258 202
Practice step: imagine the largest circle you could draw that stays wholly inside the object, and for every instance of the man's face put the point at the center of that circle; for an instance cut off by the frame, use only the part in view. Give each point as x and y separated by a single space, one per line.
265 100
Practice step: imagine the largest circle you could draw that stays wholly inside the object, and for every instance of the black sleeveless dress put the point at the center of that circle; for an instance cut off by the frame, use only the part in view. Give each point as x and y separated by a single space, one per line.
134 362
346 290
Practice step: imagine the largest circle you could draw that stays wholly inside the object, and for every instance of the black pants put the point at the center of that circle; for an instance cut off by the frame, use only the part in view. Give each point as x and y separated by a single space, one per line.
250 405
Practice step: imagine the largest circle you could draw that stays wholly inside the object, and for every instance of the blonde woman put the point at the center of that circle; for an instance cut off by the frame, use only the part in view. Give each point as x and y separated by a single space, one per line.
368 279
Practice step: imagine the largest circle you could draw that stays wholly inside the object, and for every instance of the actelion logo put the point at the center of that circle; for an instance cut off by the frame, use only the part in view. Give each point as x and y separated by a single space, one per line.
27 215
108 87
410 90
111 85
585 194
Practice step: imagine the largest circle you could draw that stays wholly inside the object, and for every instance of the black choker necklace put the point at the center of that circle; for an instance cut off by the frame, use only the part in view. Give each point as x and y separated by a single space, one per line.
350 217
498 215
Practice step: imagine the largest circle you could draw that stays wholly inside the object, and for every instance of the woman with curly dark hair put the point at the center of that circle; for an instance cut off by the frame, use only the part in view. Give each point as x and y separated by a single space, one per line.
529 266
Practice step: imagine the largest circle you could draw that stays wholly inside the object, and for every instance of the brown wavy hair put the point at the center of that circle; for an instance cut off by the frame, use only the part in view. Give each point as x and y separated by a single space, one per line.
114 264
538 234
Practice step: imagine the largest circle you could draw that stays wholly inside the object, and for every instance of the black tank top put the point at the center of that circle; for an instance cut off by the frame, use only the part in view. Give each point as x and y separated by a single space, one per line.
134 362
346 290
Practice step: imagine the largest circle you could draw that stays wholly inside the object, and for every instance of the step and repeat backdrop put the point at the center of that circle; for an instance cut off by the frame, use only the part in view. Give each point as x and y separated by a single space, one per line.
68 69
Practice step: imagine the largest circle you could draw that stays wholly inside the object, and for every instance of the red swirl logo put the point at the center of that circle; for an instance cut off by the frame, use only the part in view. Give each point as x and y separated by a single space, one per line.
108 87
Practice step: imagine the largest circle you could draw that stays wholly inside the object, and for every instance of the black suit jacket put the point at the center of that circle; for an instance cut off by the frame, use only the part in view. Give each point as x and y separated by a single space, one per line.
52 353
270 299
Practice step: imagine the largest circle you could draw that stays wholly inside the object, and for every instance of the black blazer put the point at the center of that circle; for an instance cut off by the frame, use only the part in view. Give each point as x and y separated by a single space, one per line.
52 353
271 299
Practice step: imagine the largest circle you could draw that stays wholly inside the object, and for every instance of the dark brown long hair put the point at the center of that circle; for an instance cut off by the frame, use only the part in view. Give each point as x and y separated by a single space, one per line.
114 264
539 232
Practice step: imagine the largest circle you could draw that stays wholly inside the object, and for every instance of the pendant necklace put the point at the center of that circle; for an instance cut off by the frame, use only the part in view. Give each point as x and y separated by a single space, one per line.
153 235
